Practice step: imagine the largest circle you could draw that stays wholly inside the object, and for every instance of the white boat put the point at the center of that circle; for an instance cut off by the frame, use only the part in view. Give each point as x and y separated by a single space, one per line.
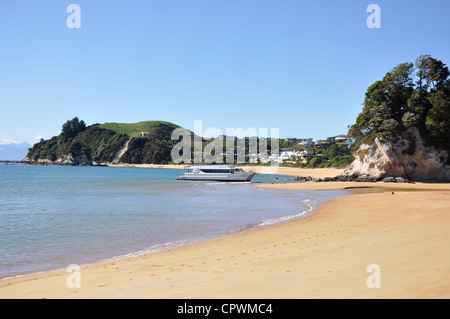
225 173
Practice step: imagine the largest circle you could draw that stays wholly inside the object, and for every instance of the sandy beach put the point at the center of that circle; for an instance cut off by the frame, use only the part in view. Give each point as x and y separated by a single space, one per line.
401 228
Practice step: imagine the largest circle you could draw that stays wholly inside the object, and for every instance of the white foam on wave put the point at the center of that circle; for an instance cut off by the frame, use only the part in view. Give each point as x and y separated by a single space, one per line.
152 249
181 243
226 183
27 274
282 219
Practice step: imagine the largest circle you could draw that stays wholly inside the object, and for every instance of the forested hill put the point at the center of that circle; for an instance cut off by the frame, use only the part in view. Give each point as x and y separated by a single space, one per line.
79 144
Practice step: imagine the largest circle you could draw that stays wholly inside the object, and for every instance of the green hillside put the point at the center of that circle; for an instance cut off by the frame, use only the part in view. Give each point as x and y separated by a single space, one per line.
135 129
100 143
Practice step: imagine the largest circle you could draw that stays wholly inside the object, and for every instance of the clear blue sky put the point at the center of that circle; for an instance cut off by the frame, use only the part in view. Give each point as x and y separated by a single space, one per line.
300 66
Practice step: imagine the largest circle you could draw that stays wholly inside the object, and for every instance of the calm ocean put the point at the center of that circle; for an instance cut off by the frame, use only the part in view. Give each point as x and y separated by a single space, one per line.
54 216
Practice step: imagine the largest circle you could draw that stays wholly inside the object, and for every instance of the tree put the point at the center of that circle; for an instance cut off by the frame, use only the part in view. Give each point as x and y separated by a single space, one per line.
432 74
418 107
384 104
438 120
404 99
314 162
399 87
71 128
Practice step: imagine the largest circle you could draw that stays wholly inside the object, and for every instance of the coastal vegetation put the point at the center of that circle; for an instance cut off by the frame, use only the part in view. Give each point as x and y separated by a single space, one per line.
150 142
153 148
96 143
101 143
410 95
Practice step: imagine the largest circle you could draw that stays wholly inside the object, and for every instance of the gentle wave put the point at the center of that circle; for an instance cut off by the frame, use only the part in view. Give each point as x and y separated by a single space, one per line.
142 252
282 219
226 183
181 243
151 249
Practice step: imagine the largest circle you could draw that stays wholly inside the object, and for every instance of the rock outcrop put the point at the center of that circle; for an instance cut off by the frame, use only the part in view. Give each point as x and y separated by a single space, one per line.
407 157
81 160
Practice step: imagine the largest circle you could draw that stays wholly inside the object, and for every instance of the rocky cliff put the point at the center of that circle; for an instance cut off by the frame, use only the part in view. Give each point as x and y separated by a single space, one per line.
406 157
70 159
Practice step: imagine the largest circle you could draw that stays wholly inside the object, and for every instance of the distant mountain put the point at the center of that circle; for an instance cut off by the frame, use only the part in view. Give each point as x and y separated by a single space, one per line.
14 152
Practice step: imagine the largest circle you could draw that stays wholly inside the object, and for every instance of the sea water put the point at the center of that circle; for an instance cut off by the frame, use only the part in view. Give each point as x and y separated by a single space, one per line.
55 216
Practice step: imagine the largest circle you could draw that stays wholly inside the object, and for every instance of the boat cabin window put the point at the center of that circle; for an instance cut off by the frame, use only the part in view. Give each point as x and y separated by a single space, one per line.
223 171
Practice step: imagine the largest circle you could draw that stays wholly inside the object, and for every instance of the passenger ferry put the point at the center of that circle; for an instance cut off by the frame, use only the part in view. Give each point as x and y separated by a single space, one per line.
225 173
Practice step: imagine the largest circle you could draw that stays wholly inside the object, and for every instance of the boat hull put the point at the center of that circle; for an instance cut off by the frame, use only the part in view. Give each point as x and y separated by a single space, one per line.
229 178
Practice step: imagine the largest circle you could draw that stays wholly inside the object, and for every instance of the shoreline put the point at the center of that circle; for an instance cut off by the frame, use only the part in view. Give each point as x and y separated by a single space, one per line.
185 272
279 170
284 170
183 242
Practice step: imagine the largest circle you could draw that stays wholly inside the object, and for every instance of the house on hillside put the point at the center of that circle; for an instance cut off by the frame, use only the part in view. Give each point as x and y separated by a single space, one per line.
288 153
338 138
304 155
322 144
306 142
